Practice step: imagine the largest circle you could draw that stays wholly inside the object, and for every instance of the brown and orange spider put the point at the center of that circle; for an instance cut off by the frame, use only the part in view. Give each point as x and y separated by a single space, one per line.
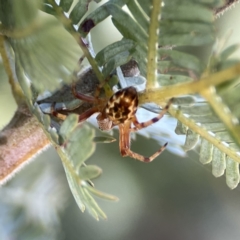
120 110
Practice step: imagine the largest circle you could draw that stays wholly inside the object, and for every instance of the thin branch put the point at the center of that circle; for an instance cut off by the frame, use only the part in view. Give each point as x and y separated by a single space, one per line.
15 87
20 142
153 44
164 93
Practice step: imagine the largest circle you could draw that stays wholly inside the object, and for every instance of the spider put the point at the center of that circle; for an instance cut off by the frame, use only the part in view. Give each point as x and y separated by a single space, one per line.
120 110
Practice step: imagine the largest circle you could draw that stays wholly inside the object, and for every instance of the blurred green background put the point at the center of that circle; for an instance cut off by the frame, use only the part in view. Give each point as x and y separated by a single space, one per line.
171 198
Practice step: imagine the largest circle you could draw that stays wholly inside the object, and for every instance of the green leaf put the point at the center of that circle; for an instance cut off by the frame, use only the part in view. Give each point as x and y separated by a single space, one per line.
195 39
145 6
226 53
18 14
178 58
66 4
48 9
112 50
187 11
232 173
115 55
116 61
79 10
180 129
138 14
101 194
97 16
191 140
104 139
168 27
206 152
79 146
75 187
93 207
43 54
68 126
218 162
126 24
89 172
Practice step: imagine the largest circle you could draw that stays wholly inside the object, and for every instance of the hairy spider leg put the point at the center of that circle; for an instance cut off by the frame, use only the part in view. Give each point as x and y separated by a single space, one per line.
139 126
124 145
82 96
84 116
57 114
87 98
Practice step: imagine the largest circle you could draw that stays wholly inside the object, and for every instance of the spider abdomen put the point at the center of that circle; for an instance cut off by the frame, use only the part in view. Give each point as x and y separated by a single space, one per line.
122 106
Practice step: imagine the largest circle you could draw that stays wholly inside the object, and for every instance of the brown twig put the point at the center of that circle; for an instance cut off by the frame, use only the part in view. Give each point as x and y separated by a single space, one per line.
20 141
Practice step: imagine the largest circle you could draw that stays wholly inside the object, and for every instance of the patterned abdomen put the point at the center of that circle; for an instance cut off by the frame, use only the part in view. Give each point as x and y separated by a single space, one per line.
122 106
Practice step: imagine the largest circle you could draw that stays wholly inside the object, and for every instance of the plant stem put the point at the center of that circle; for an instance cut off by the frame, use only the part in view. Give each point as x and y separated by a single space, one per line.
20 142
153 44
164 93
16 89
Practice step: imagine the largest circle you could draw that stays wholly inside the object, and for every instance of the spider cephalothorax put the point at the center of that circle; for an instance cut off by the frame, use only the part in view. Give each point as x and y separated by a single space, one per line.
121 107
120 110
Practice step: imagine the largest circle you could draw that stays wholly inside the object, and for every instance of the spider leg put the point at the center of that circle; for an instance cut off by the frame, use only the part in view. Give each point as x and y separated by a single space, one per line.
124 138
82 96
55 113
84 116
139 126
124 145
141 158
87 98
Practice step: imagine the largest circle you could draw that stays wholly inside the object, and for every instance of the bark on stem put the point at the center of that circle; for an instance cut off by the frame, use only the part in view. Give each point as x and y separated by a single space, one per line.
20 141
